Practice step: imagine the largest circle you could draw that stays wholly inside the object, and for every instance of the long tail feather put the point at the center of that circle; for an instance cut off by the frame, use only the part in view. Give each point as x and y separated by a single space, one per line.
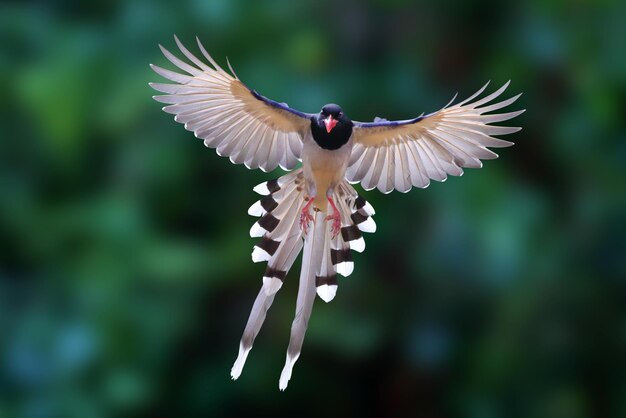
326 276
312 257
257 316
356 217
323 258
280 245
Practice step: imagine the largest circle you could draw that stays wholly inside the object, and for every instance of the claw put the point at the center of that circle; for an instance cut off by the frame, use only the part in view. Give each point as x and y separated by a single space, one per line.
336 225
306 217
335 228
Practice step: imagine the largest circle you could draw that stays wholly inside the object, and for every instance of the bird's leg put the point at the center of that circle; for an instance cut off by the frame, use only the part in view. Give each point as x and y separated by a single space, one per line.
305 216
335 217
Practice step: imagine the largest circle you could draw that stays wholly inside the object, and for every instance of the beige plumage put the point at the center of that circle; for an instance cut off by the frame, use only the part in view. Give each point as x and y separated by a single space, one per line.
258 132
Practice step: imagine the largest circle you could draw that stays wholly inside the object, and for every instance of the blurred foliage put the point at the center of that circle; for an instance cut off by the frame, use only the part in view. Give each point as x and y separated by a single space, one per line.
125 278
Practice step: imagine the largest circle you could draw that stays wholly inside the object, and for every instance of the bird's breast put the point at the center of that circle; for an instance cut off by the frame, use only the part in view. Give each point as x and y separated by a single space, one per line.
325 168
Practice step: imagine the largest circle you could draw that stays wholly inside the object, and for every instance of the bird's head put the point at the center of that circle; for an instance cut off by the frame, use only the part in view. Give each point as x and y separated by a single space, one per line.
331 128
332 115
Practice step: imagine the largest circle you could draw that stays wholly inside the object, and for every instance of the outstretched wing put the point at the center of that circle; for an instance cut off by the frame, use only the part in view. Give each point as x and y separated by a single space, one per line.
401 154
240 123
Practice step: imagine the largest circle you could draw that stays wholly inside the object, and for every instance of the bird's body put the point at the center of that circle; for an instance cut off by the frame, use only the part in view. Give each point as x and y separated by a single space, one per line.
315 209
323 169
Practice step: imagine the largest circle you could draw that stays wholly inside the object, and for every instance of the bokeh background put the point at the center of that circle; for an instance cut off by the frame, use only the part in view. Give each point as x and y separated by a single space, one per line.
125 271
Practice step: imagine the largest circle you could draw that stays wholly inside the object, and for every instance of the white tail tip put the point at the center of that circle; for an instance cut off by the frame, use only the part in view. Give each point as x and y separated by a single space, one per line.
256 209
261 189
345 268
271 285
285 375
368 225
256 231
259 254
327 292
369 209
235 372
358 245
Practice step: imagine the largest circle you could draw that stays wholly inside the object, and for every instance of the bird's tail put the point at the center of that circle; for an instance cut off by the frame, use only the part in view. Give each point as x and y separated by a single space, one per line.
282 240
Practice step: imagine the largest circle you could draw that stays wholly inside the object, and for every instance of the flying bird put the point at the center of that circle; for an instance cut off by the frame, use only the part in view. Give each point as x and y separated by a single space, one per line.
314 209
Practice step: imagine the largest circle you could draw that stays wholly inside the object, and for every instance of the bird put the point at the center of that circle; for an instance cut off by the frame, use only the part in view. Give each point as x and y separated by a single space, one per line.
313 208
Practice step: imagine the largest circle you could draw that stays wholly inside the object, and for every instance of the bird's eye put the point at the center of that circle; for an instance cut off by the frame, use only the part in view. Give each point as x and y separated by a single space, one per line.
340 114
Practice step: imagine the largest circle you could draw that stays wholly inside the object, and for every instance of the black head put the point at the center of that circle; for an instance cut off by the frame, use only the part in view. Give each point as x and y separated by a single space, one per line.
331 128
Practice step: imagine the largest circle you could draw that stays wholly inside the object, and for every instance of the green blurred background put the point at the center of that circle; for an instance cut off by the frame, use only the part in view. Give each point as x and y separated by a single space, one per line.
125 271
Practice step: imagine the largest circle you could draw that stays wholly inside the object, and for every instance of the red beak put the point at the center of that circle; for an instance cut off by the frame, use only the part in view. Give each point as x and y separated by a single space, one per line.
330 123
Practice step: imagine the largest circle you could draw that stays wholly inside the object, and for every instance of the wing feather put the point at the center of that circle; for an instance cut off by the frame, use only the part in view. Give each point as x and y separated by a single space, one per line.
429 147
399 170
473 96
240 123
418 176
239 156
190 56
376 169
385 183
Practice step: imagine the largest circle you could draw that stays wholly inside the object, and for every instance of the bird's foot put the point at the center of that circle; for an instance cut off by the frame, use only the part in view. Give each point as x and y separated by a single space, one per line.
335 228
336 225
306 217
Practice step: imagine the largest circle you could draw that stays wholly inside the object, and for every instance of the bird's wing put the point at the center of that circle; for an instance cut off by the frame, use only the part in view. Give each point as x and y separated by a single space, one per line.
237 121
401 154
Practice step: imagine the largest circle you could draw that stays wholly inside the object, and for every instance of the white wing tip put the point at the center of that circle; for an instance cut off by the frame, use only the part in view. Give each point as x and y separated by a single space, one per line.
327 292
237 368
